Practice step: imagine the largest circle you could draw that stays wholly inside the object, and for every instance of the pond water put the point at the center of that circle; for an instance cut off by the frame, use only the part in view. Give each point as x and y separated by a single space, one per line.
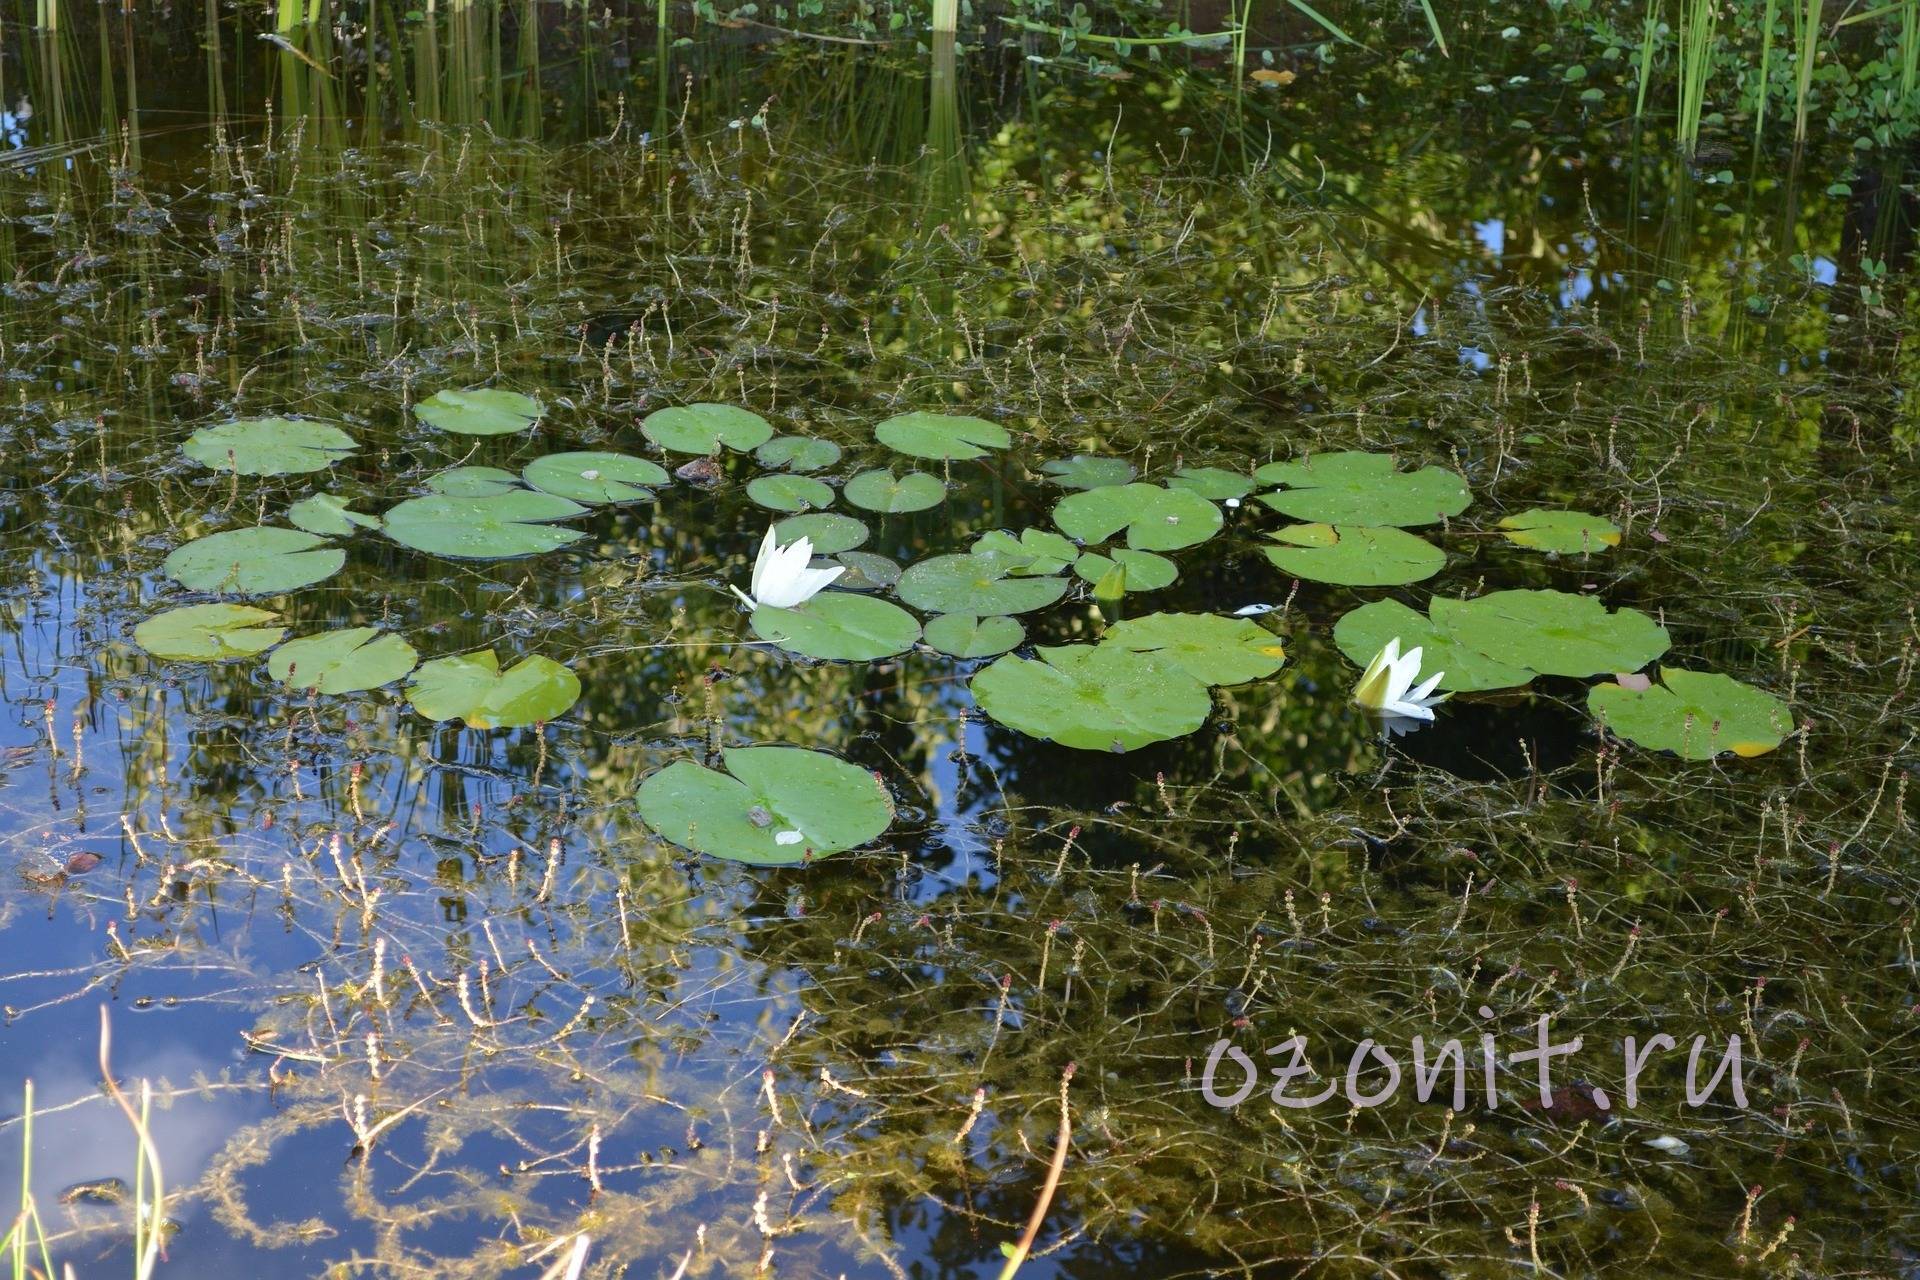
414 997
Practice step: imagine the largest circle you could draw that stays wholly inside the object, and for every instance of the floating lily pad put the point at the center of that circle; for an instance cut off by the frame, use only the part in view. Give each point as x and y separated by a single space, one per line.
962 635
939 435
1355 555
789 493
1084 471
1094 697
797 453
884 491
1216 484
974 584
1363 632
1036 552
515 523
830 532
1121 570
268 446
1211 649
344 661
1553 632
473 688
704 428
1362 489
595 477
840 626
327 515
773 806
1561 531
1155 519
263 560
866 571
472 482
1697 714
487 411
209 632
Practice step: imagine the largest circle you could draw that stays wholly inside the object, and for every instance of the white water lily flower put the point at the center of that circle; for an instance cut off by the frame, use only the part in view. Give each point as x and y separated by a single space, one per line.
781 576
1387 684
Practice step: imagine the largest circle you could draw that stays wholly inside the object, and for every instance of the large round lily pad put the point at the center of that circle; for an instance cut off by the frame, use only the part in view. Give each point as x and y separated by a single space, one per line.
1035 552
705 428
472 482
344 661
939 435
1561 531
962 635
1555 633
209 632
487 411
327 514
268 446
1362 489
829 531
840 626
974 584
1355 555
1363 632
1697 714
1094 697
515 523
595 477
1086 471
1211 649
884 491
1155 519
774 805
789 492
263 560
797 453
473 688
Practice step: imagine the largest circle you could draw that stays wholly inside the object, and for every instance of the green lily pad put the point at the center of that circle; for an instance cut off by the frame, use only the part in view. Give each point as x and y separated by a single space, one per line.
1355 555
774 806
866 571
1211 649
473 688
1553 632
1093 697
268 446
963 635
1561 531
486 411
1121 570
789 493
1362 489
209 632
884 491
472 482
595 477
1035 553
1085 471
1155 519
1363 632
839 626
263 560
974 584
508 524
327 515
830 532
704 428
1697 714
1216 484
344 661
797 453
939 435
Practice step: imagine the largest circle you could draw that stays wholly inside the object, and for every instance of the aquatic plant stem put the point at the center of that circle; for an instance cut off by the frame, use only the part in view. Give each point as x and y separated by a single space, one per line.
1047 1188
148 1225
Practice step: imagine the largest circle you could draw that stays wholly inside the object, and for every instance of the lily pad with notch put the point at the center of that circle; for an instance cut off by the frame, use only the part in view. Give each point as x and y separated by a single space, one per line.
949 437
1695 714
1122 570
209 632
964 635
839 626
789 492
473 688
595 477
1355 555
706 428
1155 519
328 515
773 806
797 453
830 532
269 446
866 571
1565 532
1363 632
484 411
1093 697
515 523
349 660
1553 632
1362 489
262 560
472 482
1209 648
1087 471
884 491
963 583
1216 484
1034 553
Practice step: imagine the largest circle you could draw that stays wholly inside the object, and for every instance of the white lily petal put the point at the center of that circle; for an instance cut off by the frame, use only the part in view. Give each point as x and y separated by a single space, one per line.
1411 710
788 837
1419 694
